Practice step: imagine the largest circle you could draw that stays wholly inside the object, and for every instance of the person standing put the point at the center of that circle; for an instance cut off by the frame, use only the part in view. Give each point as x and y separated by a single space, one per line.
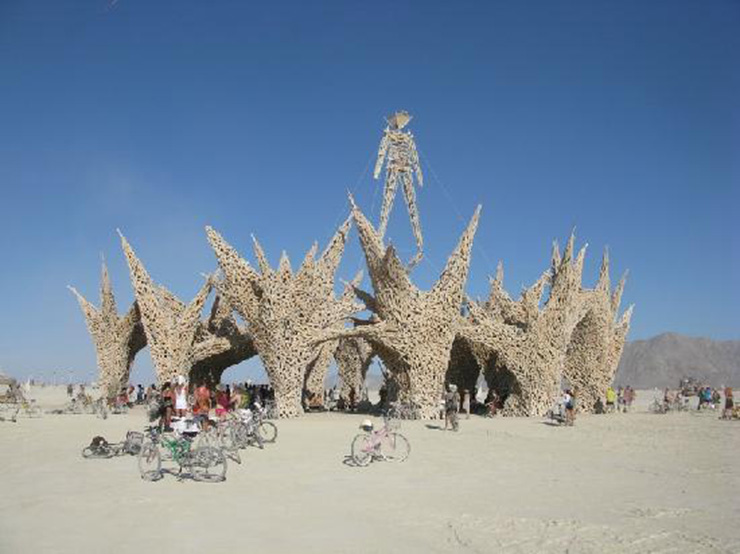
611 398
452 406
223 400
202 407
168 406
466 403
729 404
569 401
181 397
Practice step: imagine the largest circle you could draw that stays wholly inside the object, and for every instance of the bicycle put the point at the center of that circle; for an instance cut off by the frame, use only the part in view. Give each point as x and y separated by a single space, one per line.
222 435
100 448
202 463
267 430
402 410
385 444
658 407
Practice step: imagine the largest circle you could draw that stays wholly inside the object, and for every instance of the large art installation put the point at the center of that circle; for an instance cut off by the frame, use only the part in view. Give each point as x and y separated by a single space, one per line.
557 334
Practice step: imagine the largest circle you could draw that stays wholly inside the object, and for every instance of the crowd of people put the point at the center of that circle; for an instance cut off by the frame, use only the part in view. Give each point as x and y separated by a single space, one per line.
177 399
181 399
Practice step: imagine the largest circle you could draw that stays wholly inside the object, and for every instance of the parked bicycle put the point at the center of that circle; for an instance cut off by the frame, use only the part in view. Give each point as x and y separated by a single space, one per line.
384 444
402 410
100 448
221 435
202 463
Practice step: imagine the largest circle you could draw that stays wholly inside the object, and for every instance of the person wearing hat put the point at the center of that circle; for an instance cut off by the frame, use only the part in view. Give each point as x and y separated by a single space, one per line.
452 406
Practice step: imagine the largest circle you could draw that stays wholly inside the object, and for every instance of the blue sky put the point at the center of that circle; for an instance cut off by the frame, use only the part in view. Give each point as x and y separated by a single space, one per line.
619 118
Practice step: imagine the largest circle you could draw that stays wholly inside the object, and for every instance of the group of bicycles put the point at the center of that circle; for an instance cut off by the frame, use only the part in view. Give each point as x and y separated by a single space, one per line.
201 449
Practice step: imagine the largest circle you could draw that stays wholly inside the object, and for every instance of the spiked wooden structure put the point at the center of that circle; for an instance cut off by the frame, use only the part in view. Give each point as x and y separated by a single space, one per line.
413 330
286 311
117 338
527 349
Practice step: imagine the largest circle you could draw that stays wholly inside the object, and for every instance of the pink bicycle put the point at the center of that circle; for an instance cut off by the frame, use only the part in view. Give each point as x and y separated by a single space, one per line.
385 444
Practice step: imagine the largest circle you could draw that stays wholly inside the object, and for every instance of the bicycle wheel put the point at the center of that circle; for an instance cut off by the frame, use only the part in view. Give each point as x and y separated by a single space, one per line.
394 447
229 444
207 464
362 449
241 435
268 431
150 462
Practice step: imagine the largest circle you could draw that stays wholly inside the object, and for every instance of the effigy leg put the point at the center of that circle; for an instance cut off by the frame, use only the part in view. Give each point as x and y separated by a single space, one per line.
389 194
410 195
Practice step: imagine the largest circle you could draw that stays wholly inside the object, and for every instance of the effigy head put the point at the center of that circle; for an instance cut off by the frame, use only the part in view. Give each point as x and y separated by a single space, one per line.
399 120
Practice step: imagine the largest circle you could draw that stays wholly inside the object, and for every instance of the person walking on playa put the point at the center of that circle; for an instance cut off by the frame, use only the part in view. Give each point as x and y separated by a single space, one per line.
452 405
611 397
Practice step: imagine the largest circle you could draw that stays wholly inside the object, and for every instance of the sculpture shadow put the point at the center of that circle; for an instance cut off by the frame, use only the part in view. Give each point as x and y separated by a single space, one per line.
434 427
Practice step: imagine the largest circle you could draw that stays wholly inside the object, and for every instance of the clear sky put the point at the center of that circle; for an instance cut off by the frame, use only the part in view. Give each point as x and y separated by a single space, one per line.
159 117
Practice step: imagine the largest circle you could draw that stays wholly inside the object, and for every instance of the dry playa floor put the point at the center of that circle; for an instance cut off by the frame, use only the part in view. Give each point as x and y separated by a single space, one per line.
618 483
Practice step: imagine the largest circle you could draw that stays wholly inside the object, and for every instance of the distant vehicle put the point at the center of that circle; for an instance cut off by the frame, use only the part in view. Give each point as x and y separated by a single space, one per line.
689 387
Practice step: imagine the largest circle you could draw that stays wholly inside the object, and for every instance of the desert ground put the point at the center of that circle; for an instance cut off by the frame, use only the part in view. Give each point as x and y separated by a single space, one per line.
633 482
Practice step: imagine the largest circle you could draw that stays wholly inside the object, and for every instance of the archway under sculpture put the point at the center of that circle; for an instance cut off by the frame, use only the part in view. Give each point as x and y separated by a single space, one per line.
286 311
180 343
353 356
463 369
412 330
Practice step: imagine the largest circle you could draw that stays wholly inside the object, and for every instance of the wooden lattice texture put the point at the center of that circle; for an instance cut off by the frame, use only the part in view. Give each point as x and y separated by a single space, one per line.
399 149
597 341
412 331
286 311
171 326
117 338
526 350
353 356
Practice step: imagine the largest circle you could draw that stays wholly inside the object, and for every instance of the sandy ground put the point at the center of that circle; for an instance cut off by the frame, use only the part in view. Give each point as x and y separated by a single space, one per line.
619 483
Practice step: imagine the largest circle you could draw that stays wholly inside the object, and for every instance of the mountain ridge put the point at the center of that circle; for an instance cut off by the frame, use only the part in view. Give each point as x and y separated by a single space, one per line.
663 360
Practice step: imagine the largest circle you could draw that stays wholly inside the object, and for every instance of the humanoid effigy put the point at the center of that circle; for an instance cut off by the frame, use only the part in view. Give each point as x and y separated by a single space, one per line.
398 148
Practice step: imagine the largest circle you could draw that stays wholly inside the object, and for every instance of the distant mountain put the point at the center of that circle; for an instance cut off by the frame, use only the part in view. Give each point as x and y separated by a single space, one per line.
664 360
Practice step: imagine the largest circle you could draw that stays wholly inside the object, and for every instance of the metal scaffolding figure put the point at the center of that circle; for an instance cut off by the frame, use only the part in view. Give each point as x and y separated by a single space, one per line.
403 161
